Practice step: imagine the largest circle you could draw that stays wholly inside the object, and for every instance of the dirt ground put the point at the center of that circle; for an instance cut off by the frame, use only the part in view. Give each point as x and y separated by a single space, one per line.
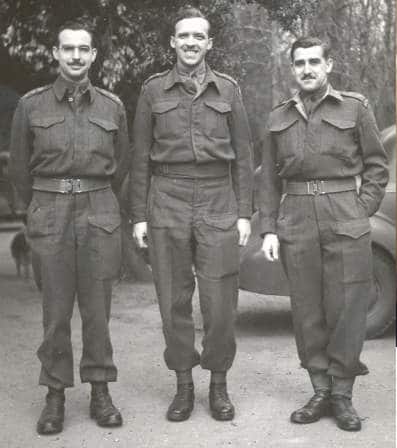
265 383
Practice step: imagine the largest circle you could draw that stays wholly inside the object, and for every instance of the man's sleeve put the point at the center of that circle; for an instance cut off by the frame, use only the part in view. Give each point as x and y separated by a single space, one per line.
122 151
20 153
375 175
270 186
140 172
242 166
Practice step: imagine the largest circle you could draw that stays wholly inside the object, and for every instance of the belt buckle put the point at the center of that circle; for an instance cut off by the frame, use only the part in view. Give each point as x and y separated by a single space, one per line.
76 186
67 185
315 187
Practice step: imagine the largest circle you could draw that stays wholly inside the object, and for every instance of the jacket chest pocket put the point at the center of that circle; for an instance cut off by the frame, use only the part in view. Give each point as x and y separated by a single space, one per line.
286 135
216 114
49 132
338 137
166 115
101 133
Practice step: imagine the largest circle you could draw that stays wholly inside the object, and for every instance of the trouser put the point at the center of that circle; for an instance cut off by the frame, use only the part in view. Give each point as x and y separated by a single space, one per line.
326 253
192 225
76 244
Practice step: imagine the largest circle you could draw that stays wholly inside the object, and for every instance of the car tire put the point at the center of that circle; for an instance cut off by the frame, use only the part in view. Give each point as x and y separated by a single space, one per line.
382 307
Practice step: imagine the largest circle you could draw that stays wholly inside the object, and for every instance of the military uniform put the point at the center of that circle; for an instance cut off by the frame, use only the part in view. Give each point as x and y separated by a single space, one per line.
69 154
323 222
192 179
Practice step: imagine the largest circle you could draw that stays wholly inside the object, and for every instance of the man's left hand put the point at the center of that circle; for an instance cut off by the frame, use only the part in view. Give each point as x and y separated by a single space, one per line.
244 230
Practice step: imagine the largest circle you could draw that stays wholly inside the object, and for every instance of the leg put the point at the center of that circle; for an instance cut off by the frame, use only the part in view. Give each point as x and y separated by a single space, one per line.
171 260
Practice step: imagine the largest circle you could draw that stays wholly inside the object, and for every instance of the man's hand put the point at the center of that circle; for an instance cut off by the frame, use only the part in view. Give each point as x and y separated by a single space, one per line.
139 233
271 246
244 230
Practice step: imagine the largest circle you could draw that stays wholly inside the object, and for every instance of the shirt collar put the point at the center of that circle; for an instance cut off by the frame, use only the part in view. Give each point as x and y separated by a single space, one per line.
296 99
61 86
174 77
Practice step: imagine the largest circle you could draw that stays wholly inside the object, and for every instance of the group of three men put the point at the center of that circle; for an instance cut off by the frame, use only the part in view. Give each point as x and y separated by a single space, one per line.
191 201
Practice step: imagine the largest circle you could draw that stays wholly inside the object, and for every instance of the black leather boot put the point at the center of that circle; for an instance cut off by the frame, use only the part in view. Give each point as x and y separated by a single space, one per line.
311 412
220 405
345 415
102 408
182 404
52 416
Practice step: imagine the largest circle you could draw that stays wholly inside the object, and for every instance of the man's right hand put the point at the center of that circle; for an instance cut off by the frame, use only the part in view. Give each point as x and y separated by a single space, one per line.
139 233
271 246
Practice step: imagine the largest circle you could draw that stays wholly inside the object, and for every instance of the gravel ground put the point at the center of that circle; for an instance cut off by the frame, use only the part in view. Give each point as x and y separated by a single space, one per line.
265 383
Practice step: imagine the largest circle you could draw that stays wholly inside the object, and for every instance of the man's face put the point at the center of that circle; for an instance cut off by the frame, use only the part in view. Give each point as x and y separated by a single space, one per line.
191 41
74 54
310 68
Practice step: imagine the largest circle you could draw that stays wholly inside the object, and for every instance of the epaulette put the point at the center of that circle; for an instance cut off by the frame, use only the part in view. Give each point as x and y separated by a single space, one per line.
224 75
110 95
156 75
37 91
356 96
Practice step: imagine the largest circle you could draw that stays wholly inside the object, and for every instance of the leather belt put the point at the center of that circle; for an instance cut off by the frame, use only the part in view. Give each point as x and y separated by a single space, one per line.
320 186
69 186
192 170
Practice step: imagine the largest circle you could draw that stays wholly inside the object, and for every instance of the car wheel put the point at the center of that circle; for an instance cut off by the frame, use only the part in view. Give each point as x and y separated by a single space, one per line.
382 306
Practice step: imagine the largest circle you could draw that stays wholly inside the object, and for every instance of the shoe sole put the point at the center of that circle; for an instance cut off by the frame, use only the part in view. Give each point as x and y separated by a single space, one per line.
179 417
222 417
46 432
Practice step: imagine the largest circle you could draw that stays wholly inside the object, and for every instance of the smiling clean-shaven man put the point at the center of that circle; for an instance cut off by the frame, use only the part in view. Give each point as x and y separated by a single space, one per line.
191 197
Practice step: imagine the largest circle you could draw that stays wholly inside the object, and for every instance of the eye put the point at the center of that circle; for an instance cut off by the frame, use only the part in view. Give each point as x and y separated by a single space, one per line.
299 63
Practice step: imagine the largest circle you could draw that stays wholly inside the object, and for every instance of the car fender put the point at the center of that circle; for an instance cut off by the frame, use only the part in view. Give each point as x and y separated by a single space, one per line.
383 233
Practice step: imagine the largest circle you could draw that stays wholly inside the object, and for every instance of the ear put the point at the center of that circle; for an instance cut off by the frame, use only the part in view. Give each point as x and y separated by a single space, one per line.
55 53
330 64
210 43
94 53
172 41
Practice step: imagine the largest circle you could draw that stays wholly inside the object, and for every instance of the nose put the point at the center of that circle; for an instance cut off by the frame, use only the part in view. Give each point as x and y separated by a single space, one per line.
191 40
306 68
76 53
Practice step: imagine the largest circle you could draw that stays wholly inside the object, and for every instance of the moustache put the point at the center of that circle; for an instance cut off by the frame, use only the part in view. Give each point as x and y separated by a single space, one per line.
74 63
308 77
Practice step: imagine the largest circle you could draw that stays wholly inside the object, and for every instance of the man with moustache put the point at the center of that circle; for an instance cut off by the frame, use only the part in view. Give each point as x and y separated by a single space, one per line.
323 145
191 198
69 154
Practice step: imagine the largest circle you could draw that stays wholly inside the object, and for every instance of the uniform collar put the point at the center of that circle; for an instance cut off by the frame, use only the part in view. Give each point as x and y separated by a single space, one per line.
174 77
61 85
296 100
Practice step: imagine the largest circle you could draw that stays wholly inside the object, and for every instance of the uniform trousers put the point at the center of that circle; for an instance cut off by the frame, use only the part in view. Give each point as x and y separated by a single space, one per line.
326 252
76 242
193 237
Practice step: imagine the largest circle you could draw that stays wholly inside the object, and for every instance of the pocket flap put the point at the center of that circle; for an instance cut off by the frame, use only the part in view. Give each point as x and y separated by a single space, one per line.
223 222
354 229
105 124
164 106
219 106
105 221
46 122
338 123
282 125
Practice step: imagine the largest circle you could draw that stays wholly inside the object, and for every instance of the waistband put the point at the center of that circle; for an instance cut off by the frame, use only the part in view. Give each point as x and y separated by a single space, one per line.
320 186
69 186
192 170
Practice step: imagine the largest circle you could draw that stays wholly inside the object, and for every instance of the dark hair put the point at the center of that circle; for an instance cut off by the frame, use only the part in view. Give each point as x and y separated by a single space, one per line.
311 41
81 23
189 12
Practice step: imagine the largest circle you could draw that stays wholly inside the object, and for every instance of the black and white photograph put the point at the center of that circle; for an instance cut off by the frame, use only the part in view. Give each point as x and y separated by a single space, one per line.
197 223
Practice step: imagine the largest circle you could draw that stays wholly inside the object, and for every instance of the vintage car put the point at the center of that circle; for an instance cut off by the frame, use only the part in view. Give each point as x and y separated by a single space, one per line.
261 276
